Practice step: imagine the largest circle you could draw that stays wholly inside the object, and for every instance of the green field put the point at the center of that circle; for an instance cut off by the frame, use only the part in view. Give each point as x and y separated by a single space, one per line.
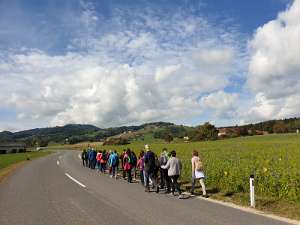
9 159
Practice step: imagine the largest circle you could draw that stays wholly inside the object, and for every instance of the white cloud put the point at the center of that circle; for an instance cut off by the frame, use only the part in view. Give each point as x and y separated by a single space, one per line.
214 56
222 103
137 72
165 72
274 69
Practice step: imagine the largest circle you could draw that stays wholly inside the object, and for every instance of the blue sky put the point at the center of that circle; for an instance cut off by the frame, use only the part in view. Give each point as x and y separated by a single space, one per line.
113 63
47 21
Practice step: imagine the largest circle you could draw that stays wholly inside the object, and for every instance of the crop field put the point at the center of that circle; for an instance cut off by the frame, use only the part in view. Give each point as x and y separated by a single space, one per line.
273 159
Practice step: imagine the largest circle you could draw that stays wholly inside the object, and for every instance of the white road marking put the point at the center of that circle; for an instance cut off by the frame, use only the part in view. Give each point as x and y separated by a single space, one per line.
76 181
57 162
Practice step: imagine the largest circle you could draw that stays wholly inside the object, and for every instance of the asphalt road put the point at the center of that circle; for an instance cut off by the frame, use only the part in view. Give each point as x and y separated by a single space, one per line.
41 193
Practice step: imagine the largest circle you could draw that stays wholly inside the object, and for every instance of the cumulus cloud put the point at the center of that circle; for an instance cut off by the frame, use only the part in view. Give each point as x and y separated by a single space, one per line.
165 72
152 68
274 68
222 103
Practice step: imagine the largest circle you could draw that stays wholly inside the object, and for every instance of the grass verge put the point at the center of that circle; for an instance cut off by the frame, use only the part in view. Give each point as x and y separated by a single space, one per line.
10 162
273 206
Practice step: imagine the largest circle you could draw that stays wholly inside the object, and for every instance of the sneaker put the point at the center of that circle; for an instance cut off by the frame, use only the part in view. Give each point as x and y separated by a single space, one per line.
180 197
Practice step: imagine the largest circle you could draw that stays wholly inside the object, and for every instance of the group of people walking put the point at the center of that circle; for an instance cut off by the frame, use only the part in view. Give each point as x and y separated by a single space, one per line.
156 172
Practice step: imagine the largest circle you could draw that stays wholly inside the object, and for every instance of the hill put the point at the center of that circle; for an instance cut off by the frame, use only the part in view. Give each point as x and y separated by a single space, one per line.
71 133
75 133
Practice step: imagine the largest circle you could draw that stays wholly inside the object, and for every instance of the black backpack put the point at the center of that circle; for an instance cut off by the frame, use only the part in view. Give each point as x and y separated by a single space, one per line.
133 159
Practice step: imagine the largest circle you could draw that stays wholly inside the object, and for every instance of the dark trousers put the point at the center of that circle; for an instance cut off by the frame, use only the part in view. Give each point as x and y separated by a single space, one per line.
83 162
114 170
98 165
153 177
103 167
175 185
142 177
165 180
124 172
86 162
94 163
129 177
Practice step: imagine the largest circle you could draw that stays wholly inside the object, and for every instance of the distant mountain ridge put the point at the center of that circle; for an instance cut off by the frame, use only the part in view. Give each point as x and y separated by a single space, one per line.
72 132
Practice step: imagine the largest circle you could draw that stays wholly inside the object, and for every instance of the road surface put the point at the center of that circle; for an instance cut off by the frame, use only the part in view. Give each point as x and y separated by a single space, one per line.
57 190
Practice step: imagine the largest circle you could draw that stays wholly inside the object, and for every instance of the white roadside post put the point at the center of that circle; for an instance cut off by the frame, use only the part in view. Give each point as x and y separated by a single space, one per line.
252 194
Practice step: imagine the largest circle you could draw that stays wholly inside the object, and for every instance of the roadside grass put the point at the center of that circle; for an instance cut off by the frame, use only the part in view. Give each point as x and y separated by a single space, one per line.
10 162
273 159
9 159
275 206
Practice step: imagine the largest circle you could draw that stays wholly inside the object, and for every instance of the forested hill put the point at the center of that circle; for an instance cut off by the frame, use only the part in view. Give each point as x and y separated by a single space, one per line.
275 126
73 132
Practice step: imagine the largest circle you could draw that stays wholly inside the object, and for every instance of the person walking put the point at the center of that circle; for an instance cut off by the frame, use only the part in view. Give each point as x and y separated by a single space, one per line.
164 178
128 165
98 158
113 164
84 157
122 163
150 168
140 166
89 152
103 161
174 169
197 173
94 158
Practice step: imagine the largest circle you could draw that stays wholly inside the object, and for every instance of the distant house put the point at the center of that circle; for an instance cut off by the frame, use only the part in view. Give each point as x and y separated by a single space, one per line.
12 147
259 132
228 131
186 139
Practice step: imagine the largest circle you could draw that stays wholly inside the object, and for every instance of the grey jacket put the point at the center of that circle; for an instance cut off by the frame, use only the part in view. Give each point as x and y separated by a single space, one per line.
174 166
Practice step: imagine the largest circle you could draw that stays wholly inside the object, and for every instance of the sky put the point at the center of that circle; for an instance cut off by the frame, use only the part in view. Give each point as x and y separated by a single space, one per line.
124 62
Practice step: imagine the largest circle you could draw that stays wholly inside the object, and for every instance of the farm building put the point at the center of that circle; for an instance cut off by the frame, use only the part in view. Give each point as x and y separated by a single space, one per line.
12 147
186 139
224 132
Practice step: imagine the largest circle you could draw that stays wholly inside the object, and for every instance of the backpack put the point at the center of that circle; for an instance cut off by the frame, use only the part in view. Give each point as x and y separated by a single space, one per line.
198 165
129 159
133 159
